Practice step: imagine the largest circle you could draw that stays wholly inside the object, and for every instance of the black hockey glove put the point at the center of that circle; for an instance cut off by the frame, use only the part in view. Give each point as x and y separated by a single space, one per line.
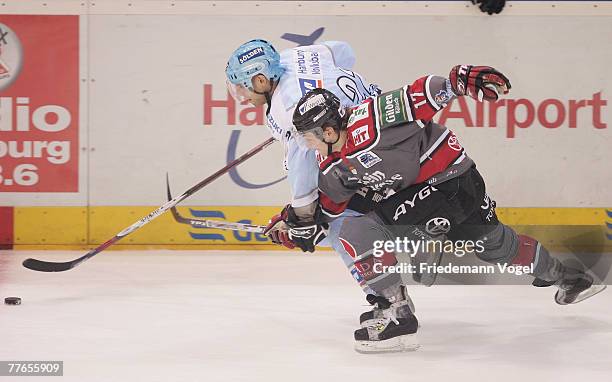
305 234
307 237
479 82
490 6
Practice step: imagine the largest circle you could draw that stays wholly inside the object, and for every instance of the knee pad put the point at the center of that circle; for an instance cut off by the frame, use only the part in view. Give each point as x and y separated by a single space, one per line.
504 245
528 250
357 236
546 269
500 245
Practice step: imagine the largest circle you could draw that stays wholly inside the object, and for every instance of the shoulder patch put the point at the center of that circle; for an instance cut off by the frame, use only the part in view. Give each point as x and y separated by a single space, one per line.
391 107
442 97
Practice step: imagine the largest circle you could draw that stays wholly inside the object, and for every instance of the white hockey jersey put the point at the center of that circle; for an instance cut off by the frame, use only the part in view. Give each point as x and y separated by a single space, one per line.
326 65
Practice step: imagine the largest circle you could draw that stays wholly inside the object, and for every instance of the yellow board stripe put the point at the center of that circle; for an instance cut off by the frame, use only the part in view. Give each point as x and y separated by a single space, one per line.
83 227
552 216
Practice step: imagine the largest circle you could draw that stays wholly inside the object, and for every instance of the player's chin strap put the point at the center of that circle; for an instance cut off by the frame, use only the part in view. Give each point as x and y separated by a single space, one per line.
329 145
268 102
267 95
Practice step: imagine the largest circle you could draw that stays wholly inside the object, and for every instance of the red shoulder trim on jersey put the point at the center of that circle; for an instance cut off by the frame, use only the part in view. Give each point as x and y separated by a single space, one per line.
440 156
331 208
326 163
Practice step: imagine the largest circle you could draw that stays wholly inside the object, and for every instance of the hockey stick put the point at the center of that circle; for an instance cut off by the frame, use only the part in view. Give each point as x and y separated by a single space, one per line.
219 224
48 266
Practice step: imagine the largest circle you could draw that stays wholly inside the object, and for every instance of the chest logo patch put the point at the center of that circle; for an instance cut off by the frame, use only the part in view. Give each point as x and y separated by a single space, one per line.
358 114
391 108
360 135
368 159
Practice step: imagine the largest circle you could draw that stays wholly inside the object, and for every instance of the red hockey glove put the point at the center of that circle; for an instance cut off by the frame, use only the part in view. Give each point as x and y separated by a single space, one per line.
277 230
479 82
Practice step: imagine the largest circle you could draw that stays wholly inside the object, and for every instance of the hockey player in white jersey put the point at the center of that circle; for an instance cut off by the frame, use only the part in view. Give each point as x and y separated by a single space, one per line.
257 73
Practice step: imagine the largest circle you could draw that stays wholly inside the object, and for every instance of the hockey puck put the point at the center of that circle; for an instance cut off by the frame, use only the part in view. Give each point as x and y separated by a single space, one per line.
12 301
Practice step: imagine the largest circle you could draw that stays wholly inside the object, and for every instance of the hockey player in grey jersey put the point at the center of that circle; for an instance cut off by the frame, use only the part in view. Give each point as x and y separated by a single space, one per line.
429 187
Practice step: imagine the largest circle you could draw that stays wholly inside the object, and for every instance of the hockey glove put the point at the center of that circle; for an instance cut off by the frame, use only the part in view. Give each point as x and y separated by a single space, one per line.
277 230
305 234
306 237
490 6
479 82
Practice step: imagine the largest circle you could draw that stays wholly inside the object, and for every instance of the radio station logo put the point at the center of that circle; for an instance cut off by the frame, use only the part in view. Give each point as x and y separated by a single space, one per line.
11 56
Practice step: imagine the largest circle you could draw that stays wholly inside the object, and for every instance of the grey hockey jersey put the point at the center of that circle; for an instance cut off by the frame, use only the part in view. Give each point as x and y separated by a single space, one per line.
392 143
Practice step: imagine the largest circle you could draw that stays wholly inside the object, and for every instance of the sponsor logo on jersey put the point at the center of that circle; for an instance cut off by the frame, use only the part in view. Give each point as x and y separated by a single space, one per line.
378 180
11 56
368 159
437 226
359 113
421 195
391 108
360 135
442 97
255 52
308 63
489 205
453 143
357 276
418 233
275 129
307 84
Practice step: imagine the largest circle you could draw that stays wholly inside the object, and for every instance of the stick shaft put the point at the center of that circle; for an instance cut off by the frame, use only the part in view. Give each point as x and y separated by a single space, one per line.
45 266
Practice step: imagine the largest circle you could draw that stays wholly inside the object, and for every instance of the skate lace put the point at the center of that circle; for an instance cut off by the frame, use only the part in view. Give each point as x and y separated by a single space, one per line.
388 316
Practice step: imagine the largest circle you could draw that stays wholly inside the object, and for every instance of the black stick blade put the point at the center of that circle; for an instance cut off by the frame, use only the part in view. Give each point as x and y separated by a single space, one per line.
175 213
46 266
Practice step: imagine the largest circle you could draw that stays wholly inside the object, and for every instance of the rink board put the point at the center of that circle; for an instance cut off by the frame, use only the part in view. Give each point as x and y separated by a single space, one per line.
152 99
560 229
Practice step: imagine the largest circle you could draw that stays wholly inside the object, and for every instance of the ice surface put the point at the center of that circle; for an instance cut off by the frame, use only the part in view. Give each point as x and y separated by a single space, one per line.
281 316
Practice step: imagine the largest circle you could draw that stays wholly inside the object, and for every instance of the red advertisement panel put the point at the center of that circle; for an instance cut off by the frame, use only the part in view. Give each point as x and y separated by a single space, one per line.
39 103
6 227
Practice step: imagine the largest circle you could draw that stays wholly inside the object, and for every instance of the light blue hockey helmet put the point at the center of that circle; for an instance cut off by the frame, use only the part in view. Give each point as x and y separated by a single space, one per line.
250 59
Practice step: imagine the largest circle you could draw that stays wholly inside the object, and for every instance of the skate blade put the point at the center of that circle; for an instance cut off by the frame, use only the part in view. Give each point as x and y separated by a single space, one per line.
405 343
592 291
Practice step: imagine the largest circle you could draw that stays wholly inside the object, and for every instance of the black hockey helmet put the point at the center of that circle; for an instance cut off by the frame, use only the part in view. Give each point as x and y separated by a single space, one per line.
318 108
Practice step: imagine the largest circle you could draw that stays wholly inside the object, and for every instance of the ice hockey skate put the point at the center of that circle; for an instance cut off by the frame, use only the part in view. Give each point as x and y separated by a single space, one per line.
393 331
376 313
577 287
